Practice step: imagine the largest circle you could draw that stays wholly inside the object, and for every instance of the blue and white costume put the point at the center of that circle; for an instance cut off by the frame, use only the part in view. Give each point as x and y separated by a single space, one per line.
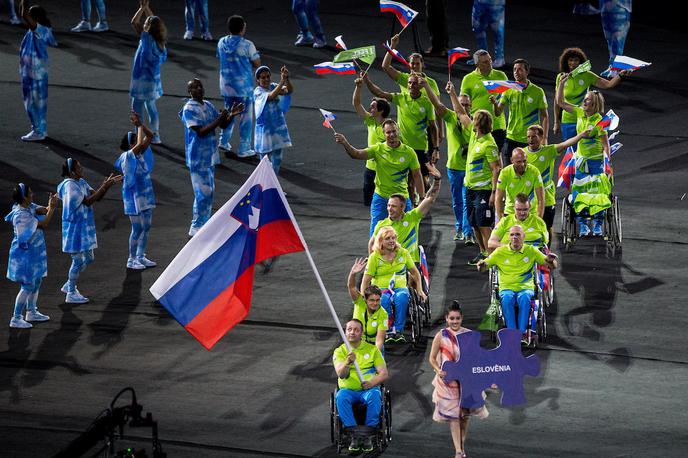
616 20
236 55
146 87
306 14
28 261
78 227
201 158
489 14
272 134
86 10
33 69
193 9
138 197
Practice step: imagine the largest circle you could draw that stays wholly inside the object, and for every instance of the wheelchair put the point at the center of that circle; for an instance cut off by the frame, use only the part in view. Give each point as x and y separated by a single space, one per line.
612 232
382 434
536 332
417 313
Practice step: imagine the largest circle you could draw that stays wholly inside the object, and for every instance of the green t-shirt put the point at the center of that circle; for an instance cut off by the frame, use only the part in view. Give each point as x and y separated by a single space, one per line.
472 85
481 152
524 110
402 81
375 136
589 148
413 116
371 323
393 165
513 184
543 160
382 271
407 231
515 267
574 91
534 227
457 141
368 358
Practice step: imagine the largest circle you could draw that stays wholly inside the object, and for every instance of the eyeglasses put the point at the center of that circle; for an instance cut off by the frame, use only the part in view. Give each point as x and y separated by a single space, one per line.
595 91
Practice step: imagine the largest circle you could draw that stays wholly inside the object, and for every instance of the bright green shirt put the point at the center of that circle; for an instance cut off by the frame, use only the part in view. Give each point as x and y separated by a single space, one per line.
372 323
589 148
524 110
574 91
515 267
382 271
472 85
534 227
413 116
393 165
368 358
402 81
543 160
512 184
481 152
407 231
457 141
375 136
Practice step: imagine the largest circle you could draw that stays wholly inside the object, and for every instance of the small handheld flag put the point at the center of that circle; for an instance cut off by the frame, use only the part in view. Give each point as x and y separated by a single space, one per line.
331 68
582 68
615 147
329 116
403 13
395 54
610 121
366 54
340 42
499 87
455 54
424 270
627 63
567 169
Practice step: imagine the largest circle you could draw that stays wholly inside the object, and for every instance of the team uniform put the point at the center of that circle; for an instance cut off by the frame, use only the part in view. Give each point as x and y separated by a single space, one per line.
33 70
543 159
390 277
236 56
375 135
458 138
201 158
481 152
524 111
533 226
272 135
513 184
413 116
406 229
146 86
472 85
575 89
372 322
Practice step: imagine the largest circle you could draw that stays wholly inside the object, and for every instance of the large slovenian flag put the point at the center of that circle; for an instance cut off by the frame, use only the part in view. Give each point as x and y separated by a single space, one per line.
610 121
455 54
567 169
499 87
627 63
208 286
396 54
403 13
331 68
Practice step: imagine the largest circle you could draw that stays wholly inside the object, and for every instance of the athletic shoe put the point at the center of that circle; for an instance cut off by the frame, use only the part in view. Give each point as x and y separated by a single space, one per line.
33 136
469 240
82 26
188 35
355 444
498 63
459 237
206 36
65 288
35 315
225 147
597 228
20 323
583 228
367 444
476 260
156 140
609 73
134 264
249 153
75 298
101 26
14 20
319 43
525 341
470 62
391 338
399 338
304 40
147 262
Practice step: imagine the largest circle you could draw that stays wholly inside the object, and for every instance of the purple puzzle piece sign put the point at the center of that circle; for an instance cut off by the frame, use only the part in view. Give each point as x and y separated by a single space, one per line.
504 366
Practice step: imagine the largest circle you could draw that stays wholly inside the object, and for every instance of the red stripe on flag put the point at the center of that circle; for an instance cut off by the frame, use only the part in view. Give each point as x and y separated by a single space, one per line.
275 239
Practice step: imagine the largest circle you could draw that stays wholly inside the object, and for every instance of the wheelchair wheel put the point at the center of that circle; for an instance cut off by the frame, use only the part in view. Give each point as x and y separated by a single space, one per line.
493 283
542 321
335 424
568 224
385 433
549 297
414 316
612 229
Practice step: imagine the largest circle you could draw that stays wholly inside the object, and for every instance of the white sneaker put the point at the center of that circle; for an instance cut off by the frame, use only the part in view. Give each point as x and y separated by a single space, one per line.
20 323
75 298
156 140
14 20
206 36
35 315
249 153
65 287
225 147
147 262
82 26
33 136
101 26
498 63
319 43
134 264
188 35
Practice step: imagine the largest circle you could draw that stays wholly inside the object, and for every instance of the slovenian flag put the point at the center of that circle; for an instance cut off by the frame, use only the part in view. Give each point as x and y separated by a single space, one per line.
627 63
567 169
499 87
340 42
208 286
455 54
403 13
424 270
610 121
331 68
396 54
614 148
329 116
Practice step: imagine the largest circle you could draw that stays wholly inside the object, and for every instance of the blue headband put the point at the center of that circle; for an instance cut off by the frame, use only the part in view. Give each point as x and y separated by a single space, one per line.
22 190
70 164
262 68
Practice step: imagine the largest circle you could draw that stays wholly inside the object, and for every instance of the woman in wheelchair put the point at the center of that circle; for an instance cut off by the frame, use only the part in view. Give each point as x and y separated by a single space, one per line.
591 187
387 267
447 396
367 308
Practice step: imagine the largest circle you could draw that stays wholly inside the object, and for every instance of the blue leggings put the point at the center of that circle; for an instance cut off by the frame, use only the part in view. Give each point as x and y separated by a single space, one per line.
10 9
193 8
35 95
79 262
154 120
86 10
615 25
306 14
275 158
401 301
245 120
346 398
509 300
27 297
203 183
458 193
492 16
138 239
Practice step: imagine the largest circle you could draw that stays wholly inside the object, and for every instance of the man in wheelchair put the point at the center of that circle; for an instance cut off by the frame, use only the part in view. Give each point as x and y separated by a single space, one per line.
515 264
354 391
534 227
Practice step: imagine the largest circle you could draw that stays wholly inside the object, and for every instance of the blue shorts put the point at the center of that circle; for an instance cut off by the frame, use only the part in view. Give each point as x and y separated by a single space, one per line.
480 213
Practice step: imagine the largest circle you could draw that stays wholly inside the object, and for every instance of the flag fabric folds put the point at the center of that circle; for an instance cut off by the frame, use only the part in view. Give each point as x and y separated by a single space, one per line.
499 87
331 68
610 121
366 54
340 42
582 68
614 148
208 286
455 54
329 116
395 54
403 13
567 169
424 270
627 63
